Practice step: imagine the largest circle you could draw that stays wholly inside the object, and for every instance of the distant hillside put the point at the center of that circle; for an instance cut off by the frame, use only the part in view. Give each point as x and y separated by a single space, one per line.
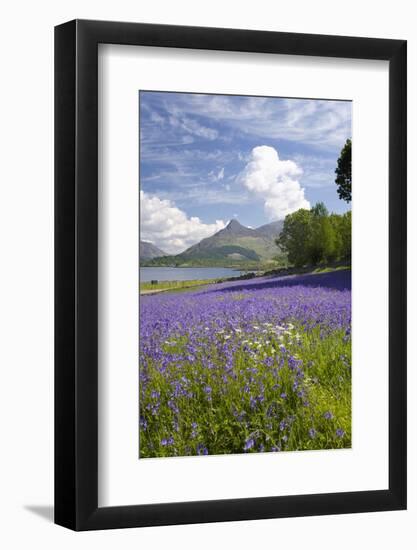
271 230
148 251
235 242
233 245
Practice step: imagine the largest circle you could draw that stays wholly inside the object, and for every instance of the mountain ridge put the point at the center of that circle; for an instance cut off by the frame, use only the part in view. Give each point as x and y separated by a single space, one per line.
233 245
148 250
272 229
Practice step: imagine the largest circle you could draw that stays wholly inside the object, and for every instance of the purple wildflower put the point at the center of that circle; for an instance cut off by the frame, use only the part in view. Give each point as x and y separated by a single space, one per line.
201 449
184 354
249 443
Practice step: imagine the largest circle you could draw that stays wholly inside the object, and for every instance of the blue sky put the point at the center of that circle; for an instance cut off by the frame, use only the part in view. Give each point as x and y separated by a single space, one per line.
205 159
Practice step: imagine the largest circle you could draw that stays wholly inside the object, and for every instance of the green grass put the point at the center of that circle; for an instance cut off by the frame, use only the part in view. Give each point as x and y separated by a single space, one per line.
329 269
227 417
176 285
183 285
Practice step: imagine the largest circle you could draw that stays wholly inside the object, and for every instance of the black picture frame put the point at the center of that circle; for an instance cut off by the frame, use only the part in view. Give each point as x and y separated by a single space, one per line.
76 272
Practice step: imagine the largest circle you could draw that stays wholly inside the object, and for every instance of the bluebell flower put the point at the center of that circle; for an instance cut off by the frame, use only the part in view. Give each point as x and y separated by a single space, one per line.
201 449
249 443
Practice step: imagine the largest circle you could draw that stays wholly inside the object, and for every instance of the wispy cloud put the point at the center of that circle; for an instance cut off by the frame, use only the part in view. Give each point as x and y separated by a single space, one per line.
212 196
196 149
216 175
191 126
320 123
318 171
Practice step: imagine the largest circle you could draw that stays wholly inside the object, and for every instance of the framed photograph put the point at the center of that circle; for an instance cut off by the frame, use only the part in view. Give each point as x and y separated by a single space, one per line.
230 255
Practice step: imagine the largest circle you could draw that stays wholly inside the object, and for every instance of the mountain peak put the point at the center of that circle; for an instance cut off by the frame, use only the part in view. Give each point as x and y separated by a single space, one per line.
231 245
236 228
234 224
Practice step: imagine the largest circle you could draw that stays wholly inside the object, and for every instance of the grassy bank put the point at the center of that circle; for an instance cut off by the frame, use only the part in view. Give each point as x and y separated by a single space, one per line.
159 286
175 285
283 271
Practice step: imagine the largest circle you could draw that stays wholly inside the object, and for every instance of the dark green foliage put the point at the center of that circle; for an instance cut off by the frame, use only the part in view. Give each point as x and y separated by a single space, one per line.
346 235
319 210
344 172
322 240
295 237
312 237
162 261
221 255
336 222
225 251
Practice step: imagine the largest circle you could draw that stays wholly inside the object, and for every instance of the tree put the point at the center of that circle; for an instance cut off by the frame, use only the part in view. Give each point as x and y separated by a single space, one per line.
344 172
346 235
311 237
319 210
337 224
295 237
322 239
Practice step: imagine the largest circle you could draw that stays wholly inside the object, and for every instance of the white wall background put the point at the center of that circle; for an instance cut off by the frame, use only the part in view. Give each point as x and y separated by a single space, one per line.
26 271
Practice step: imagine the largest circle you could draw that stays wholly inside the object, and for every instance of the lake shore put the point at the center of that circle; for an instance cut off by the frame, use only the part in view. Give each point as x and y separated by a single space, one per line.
147 288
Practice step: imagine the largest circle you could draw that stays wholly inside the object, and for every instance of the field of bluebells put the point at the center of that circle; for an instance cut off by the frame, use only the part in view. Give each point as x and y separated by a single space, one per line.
262 365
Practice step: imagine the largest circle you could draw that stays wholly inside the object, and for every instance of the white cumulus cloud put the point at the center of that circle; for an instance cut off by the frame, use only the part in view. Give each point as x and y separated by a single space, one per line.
275 181
169 228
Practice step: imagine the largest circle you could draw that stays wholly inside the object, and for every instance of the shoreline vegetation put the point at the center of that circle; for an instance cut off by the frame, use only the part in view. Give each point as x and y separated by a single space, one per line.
161 286
155 287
